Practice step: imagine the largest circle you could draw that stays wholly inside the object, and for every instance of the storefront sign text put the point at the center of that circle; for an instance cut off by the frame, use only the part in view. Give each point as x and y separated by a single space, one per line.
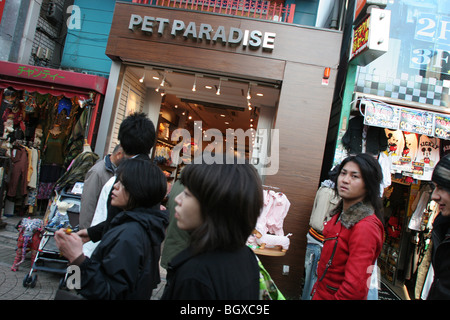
442 126
360 37
37 73
381 115
252 39
420 122
434 56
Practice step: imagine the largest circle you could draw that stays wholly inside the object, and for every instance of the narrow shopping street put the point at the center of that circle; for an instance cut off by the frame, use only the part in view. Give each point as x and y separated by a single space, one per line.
11 283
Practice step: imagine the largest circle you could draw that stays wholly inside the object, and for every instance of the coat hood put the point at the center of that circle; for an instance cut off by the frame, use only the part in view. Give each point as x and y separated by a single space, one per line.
154 221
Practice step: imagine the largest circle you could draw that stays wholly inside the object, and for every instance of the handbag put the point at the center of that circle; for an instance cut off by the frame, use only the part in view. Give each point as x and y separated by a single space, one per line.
267 288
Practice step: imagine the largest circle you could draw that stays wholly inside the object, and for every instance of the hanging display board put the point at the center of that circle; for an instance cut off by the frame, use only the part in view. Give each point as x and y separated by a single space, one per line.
380 114
442 126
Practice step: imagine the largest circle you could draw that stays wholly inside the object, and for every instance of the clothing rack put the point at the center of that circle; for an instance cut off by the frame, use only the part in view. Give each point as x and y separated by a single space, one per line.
270 187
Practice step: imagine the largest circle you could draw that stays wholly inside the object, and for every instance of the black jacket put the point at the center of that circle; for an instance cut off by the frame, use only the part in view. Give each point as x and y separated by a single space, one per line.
376 140
219 275
125 265
440 288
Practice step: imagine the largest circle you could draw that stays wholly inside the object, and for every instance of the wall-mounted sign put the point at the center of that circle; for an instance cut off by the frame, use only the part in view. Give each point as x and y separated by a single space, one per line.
379 114
371 37
362 6
252 39
382 115
416 121
431 52
442 126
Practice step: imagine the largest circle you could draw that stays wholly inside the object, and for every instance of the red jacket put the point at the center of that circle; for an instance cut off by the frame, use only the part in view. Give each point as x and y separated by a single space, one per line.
356 237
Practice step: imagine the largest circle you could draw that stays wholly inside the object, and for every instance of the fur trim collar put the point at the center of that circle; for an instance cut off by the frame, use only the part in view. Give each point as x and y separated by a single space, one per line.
354 214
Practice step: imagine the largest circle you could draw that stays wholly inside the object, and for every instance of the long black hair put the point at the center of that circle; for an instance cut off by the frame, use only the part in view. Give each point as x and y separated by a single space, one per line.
231 199
372 176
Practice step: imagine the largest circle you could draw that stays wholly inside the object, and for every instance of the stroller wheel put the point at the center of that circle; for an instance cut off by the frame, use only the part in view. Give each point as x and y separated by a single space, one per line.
26 280
29 281
33 281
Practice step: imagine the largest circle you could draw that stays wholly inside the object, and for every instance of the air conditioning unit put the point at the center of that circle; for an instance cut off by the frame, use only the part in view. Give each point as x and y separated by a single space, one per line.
54 13
40 52
47 54
43 53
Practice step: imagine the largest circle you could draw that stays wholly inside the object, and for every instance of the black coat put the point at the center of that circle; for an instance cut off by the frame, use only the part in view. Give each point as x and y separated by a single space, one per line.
125 265
376 140
223 275
440 288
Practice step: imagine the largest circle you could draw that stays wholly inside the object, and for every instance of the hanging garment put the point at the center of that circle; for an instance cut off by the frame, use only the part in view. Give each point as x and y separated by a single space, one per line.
279 210
428 154
18 176
261 224
353 139
416 218
34 169
78 169
386 166
54 149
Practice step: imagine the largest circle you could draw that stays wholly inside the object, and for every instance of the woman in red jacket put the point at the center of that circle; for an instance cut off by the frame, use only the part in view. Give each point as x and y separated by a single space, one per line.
354 235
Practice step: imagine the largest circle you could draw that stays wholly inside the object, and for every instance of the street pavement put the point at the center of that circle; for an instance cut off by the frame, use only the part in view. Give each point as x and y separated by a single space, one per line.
11 283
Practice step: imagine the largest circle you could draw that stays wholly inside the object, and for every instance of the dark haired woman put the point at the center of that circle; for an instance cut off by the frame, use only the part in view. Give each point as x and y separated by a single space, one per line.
354 235
219 207
125 265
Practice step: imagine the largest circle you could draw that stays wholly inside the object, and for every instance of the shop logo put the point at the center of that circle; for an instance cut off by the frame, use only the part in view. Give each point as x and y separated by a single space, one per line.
208 146
199 32
73 280
74 20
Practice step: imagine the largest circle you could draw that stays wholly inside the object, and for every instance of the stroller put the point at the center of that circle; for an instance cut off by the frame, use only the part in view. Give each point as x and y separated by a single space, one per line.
63 212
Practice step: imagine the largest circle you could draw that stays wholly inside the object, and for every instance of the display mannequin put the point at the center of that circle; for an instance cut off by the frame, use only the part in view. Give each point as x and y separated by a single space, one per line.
56 130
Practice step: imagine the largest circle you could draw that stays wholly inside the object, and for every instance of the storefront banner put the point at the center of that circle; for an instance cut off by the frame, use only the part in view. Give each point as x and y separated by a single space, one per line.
382 115
442 126
416 121
53 78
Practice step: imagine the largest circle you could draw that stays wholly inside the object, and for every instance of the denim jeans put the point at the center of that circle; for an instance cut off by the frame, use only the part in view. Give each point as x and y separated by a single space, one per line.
313 251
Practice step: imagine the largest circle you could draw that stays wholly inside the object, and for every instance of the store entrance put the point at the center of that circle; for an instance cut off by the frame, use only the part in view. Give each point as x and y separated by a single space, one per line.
210 109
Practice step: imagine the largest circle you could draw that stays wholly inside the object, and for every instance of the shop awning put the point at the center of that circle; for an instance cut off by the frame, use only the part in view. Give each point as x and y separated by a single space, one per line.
47 80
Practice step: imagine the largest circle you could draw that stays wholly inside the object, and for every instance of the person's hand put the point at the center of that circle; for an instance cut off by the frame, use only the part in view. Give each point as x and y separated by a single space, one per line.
83 234
70 245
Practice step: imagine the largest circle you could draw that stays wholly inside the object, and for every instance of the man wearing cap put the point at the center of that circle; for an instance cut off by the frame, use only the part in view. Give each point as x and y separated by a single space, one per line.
440 288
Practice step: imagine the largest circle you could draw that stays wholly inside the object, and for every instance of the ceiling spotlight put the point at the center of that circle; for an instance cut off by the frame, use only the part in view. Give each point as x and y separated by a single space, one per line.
248 92
163 80
194 87
141 80
218 89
